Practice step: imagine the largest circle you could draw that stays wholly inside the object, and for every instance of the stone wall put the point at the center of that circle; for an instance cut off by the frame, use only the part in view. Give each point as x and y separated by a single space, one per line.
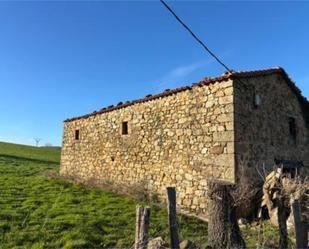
179 140
262 133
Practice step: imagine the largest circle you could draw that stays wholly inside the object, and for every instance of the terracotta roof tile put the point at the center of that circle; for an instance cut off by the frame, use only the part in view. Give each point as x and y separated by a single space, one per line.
206 81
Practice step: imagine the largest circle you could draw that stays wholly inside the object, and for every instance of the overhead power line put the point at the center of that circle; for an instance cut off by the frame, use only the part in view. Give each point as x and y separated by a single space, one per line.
203 44
195 36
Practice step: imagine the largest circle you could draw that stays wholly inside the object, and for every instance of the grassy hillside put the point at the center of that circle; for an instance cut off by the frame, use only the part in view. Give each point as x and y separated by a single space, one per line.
41 212
37 211
30 152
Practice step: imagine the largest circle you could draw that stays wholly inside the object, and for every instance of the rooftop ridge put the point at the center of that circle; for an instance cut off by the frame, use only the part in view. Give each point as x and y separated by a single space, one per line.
206 81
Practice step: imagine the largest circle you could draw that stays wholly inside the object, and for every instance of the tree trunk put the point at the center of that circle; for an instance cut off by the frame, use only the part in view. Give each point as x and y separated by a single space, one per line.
223 230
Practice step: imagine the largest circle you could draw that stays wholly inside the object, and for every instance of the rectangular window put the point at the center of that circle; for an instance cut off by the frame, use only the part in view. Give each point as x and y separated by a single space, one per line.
292 129
125 129
76 134
288 167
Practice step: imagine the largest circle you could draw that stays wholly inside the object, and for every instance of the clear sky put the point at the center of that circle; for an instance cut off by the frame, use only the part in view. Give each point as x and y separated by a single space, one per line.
62 59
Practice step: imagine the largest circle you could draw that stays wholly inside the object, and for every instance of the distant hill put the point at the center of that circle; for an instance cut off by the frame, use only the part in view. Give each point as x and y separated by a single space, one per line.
51 154
51 146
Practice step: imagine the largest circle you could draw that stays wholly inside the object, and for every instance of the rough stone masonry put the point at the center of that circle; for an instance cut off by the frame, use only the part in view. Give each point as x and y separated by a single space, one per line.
225 127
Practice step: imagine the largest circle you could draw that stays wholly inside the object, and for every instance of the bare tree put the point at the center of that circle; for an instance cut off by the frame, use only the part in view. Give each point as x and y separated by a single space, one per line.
37 141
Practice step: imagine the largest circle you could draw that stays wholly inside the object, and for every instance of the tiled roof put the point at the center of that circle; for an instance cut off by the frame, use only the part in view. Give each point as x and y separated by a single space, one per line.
206 81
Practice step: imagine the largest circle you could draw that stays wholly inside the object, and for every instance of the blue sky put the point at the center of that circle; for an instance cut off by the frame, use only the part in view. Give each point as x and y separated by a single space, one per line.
62 59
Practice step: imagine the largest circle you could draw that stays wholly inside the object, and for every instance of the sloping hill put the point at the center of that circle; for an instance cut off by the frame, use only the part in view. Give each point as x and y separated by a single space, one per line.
37 211
30 152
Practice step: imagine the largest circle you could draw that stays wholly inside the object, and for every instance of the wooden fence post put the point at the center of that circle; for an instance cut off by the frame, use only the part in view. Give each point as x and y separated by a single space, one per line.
282 218
300 229
139 213
172 221
142 227
145 228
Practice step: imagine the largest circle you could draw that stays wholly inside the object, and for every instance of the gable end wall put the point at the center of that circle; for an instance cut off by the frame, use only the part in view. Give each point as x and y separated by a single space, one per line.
262 133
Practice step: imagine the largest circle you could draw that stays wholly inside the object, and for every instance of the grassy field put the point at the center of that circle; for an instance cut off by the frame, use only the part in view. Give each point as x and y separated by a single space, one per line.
41 212
29 152
37 211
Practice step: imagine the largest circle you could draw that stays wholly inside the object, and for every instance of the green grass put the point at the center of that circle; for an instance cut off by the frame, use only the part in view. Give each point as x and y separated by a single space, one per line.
37 211
41 212
30 152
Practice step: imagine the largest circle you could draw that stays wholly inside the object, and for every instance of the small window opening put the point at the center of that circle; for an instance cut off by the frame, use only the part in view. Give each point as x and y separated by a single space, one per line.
292 129
76 134
289 168
125 130
257 100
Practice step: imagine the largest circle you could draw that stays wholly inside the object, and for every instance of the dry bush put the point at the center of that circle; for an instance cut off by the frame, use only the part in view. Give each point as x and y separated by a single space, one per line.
248 192
136 190
246 198
297 189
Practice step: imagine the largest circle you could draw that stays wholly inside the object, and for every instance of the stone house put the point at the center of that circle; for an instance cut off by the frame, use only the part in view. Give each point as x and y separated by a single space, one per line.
225 127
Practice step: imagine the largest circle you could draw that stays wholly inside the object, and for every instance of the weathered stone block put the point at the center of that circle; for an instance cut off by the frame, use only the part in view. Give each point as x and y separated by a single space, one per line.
218 149
223 136
226 100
